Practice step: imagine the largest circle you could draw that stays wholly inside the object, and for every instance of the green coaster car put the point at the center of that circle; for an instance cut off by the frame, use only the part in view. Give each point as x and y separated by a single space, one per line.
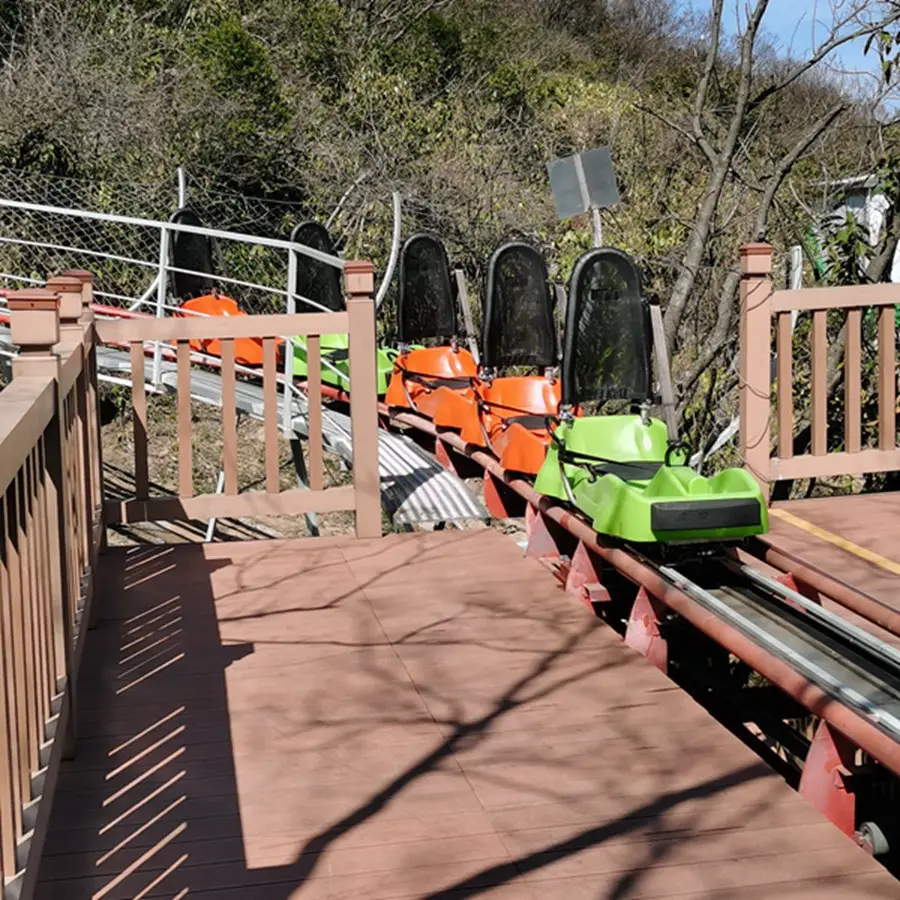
622 471
320 282
336 362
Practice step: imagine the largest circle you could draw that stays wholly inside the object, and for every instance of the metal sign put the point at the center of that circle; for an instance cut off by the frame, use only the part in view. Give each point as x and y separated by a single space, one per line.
583 181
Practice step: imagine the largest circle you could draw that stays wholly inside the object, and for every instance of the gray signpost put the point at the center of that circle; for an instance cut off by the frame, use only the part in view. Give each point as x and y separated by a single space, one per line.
582 182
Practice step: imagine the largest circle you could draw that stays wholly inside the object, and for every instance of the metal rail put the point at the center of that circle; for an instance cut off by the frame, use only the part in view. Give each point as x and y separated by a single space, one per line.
855 669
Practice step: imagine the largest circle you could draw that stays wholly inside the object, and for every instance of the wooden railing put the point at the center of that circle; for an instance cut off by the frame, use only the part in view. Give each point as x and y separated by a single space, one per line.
50 488
759 304
53 514
363 496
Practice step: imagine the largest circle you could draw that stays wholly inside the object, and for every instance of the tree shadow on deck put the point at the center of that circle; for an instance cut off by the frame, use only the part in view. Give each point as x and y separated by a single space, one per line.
285 723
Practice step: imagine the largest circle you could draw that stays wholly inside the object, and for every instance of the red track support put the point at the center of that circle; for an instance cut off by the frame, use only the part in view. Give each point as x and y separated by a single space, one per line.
642 633
788 580
442 454
584 577
501 502
541 542
824 781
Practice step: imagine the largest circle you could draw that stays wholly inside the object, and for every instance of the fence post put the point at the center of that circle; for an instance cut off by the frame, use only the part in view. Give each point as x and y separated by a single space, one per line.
360 281
755 360
35 328
161 287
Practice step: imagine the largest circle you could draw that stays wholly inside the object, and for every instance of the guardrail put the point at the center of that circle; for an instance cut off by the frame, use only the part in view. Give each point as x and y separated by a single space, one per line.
362 496
50 483
760 303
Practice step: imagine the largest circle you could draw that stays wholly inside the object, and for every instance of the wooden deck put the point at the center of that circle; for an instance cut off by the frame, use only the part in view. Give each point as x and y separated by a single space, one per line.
426 715
852 538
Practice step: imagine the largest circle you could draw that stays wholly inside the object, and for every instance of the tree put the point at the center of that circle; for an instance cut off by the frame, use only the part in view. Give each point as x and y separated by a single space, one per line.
725 123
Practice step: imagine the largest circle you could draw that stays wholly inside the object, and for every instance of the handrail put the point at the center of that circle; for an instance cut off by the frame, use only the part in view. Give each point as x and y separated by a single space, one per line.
274 243
50 538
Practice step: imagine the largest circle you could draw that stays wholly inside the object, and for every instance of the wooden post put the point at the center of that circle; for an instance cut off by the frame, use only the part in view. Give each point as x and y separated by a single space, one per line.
360 281
87 322
89 416
755 364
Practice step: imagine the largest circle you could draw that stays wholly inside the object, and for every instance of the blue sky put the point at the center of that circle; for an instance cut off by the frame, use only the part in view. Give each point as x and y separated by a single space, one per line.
790 23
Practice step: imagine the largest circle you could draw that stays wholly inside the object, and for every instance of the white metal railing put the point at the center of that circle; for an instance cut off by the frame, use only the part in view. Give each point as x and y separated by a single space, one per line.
154 298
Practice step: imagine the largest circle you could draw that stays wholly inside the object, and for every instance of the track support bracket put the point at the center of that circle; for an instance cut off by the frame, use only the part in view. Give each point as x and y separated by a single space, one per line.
584 579
643 631
825 781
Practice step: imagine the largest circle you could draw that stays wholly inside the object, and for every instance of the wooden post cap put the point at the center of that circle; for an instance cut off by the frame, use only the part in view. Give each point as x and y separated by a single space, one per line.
82 275
70 296
359 275
34 319
87 287
32 298
756 259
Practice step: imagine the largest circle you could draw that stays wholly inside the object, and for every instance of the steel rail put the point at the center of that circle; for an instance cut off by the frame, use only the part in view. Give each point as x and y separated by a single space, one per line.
817 674
875 611
856 727
889 655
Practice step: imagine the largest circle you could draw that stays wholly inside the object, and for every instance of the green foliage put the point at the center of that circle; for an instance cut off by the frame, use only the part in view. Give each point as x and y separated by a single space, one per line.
846 249
237 66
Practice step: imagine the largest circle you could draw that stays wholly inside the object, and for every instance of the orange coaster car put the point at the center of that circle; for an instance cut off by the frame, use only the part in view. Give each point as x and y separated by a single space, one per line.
509 414
193 257
425 379
247 351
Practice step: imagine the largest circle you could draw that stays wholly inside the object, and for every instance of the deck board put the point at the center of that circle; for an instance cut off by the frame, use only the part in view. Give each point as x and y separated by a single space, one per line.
868 521
423 716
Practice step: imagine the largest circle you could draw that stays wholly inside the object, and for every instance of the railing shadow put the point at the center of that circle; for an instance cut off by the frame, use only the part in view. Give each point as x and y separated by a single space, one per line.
256 724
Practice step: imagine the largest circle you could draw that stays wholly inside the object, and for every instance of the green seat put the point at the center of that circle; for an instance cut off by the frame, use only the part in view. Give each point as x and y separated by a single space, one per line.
623 484
336 362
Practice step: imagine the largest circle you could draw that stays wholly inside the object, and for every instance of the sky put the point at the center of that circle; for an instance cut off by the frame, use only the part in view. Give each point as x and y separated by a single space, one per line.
790 25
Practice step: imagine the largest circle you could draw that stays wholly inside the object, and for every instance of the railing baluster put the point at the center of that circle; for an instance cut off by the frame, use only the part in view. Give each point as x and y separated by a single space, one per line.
785 351
13 721
887 380
853 382
139 416
229 417
270 412
185 455
819 385
42 687
314 393
24 709
52 659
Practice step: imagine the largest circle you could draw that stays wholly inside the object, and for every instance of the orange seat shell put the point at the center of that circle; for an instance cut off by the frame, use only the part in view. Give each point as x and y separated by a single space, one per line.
518 447
431 363
247 351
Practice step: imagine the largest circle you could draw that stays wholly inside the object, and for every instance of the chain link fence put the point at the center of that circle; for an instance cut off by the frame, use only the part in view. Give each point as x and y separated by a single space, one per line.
43 231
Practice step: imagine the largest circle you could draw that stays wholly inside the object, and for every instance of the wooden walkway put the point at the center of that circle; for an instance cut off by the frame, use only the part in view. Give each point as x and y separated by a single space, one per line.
852 538
423 716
